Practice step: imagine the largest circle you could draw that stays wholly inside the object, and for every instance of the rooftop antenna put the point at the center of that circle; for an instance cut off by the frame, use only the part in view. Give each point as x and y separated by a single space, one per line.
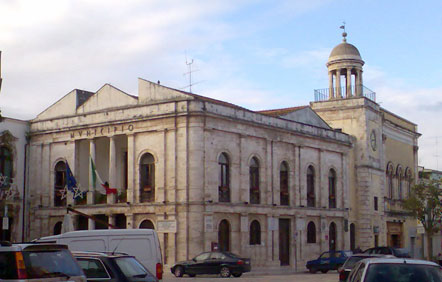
344 34
189 66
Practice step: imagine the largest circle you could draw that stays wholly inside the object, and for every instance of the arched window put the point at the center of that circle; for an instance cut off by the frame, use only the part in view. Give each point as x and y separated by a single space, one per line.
147 178
389 175
224 178
147 224
284 184
310 186
5 162
59 184
255 233
57 228
399 177
311 232
254 181
224 236
332 237
352 236
409 180
332 189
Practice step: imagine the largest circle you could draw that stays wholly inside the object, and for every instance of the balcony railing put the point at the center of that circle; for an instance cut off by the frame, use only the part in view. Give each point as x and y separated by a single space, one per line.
394 207
324 94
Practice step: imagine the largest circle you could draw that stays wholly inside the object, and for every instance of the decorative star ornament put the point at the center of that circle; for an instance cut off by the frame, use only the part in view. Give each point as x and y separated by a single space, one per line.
10 193
3 179
63 192
77 192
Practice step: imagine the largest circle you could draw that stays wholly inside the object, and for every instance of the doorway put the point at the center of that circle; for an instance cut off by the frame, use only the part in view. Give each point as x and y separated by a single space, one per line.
224 236
332 237
284 241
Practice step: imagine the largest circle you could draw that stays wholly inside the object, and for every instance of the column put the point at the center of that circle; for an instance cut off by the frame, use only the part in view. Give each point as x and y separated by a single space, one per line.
130 223
131 169
111 219
91 190
112 169
358 83
90 224
348 79
244 234
338 84
330 86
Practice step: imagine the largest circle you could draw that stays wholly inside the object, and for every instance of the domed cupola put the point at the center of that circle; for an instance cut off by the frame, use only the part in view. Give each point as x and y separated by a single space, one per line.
345 61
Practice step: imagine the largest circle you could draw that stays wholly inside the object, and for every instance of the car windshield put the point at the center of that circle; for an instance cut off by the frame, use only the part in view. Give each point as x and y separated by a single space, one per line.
350 263
53 263
131 267
399 252
348 253
403 272
232 255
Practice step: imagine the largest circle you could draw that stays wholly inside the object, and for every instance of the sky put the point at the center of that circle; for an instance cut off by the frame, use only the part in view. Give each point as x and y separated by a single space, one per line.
253 53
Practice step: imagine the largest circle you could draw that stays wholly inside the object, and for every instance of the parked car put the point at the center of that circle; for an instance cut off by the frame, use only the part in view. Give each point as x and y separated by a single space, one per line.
395 270
112 267
331 260
38 262
345 270
397 252
141 243
223 263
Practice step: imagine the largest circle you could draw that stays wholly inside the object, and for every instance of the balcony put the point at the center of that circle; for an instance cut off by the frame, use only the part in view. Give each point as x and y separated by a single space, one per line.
394 207
324 94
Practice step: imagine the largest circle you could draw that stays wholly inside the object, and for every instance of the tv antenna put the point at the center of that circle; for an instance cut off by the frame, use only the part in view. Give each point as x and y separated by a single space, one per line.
436 155
189 73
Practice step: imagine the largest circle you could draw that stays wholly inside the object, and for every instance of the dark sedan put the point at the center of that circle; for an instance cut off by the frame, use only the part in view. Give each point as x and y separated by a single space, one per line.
223 263
397 252
331 260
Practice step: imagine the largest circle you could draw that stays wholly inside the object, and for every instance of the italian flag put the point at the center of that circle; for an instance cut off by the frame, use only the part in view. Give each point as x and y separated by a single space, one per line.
103 188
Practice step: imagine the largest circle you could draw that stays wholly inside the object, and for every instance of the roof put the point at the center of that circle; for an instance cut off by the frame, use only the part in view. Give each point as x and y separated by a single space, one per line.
283 111
344 51
99 254
399 261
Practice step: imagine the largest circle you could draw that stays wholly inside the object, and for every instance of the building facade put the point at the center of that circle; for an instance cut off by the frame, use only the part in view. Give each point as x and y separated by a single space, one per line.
13 148
279 186
384 160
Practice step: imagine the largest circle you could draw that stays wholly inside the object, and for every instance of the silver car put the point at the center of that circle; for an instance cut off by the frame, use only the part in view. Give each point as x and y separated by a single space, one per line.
395 270
38 263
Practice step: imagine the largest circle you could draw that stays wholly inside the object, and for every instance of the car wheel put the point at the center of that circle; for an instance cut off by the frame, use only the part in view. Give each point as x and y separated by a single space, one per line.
192 275
237 274
178 271
224 272
313 270
324 270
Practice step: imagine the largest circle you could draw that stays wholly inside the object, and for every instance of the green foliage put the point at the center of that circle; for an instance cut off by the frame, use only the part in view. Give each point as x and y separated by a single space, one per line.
425 204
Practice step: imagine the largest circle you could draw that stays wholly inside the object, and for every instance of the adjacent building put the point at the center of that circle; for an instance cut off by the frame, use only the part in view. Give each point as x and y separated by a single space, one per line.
13 150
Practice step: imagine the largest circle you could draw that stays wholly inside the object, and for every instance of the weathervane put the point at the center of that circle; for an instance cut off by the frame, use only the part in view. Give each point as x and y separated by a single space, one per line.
344 34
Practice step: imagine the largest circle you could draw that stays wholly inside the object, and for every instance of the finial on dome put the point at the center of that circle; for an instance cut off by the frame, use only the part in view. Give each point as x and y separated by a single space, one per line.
344 34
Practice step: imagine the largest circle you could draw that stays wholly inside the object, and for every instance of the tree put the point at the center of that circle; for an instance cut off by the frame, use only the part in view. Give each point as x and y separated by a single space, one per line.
425 204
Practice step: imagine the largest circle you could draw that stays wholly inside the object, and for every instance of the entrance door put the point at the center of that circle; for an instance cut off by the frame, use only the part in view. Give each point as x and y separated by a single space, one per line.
284 241
224 236
332 237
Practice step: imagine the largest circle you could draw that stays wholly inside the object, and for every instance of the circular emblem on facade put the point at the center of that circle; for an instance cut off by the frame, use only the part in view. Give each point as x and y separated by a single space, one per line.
373 140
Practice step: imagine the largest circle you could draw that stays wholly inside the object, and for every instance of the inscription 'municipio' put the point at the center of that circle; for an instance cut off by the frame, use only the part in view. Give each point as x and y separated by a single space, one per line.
102 131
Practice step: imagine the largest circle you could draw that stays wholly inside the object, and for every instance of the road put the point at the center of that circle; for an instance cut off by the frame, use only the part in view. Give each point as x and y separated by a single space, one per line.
301 277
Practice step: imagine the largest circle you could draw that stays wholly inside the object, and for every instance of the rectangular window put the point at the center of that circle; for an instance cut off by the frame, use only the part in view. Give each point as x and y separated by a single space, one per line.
375 203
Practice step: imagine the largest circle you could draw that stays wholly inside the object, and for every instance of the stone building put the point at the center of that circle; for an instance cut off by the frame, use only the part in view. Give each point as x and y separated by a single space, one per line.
279 186
13 148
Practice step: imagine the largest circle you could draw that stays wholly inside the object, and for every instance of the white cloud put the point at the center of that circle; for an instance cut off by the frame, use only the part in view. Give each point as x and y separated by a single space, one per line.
421 106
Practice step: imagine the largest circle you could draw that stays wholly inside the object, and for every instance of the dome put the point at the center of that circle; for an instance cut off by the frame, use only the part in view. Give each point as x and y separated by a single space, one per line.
344 51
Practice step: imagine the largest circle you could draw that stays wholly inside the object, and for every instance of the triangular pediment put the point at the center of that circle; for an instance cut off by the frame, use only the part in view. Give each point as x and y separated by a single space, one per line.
303 114
108 97
66 106
150 92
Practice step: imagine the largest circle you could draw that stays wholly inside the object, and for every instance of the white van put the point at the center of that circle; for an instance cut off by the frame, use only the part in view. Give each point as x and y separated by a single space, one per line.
140 243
